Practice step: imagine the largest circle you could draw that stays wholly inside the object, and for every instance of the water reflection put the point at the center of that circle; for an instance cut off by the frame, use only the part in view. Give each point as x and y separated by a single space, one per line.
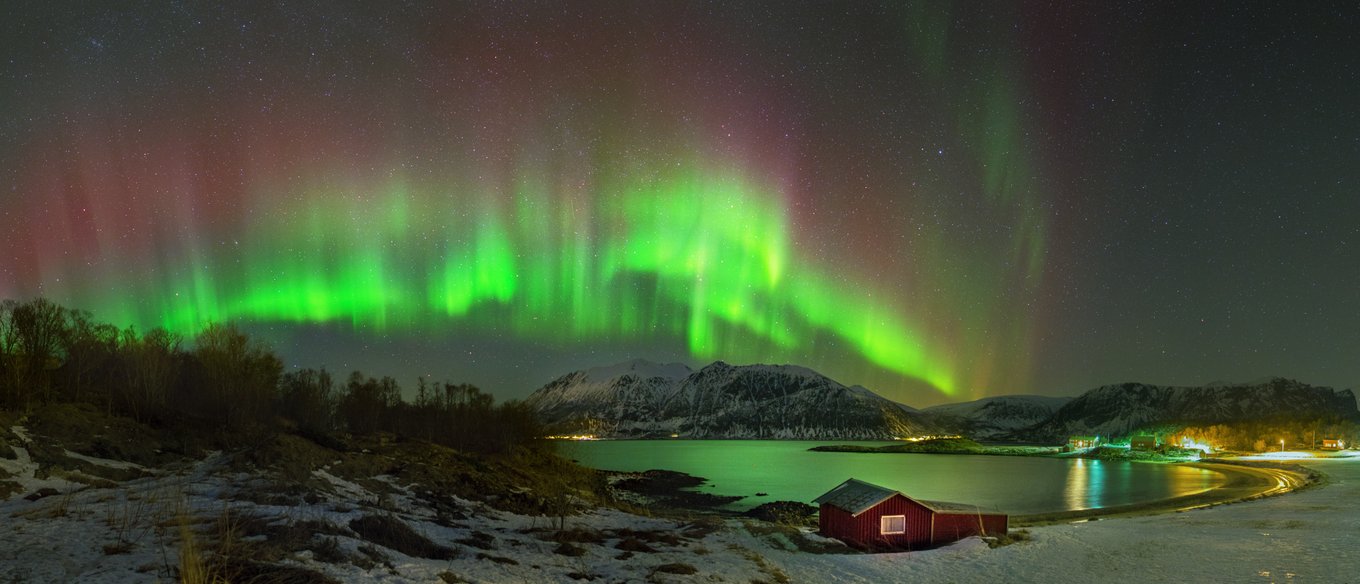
1085 486
786 470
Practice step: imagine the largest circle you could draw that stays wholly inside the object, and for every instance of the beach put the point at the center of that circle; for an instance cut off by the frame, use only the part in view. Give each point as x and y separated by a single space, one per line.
1296 536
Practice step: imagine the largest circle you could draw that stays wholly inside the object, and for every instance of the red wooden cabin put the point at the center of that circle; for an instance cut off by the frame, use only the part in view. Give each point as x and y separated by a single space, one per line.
870 516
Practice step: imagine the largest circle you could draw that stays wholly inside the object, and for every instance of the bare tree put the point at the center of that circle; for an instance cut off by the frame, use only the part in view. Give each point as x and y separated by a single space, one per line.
239 376
308 398
38 329
9 356
150 367
90 346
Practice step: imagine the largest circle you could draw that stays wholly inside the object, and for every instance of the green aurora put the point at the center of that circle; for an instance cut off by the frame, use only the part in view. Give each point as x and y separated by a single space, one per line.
698 254
687 207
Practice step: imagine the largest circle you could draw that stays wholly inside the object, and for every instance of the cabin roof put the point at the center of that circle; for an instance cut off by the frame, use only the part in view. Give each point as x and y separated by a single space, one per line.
856 497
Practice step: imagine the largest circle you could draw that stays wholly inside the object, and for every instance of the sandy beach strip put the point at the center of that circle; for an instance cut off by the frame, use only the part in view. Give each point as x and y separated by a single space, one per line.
1243 482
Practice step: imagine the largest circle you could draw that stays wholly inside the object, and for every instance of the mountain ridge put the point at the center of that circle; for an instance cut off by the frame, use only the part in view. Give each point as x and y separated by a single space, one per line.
721 400
996 417
1123 408
639 398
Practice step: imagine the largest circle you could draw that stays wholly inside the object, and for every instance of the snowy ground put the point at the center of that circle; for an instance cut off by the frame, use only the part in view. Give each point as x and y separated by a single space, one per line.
128 534
1306 536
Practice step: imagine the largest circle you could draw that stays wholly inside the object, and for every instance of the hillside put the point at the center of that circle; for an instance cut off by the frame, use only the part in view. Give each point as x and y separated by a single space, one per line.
995 417
128 502
1118 410
632 390
640 399
643 399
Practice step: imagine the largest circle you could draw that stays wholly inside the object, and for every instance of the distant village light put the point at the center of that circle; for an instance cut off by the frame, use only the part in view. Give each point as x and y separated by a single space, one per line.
1203 447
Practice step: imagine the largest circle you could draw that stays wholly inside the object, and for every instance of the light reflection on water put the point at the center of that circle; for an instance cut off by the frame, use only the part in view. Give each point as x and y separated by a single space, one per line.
786 470
1078 491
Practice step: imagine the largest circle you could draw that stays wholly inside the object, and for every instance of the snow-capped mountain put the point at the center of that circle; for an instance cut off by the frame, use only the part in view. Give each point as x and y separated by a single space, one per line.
1118 410
639 398
994 417
632 390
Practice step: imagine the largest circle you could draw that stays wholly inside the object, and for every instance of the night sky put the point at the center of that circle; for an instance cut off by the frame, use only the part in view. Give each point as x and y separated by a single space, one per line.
939 201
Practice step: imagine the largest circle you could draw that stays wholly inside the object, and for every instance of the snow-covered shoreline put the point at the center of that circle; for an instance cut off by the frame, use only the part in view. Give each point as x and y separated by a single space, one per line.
1302 536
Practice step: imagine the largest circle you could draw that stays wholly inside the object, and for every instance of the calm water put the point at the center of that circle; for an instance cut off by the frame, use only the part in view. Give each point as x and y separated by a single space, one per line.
786 470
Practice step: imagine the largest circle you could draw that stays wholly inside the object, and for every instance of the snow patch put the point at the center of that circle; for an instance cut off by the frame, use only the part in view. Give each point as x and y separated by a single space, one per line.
105 462
1298 537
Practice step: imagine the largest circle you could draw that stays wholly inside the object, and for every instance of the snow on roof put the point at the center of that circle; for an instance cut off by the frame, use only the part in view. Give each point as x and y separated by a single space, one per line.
856 496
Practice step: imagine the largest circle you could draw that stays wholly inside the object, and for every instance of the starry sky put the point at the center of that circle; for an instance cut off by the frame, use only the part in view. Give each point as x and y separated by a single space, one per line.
938 200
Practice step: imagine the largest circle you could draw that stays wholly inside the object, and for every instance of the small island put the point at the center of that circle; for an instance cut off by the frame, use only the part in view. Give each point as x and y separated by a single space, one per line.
960 445
953 445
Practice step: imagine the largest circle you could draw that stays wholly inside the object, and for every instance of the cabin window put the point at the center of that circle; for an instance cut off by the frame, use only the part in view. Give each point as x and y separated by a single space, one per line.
890 524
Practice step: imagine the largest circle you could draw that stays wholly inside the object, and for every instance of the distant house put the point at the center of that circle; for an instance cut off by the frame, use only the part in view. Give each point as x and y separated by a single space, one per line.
869 516
1332 444
1080 442
1143 443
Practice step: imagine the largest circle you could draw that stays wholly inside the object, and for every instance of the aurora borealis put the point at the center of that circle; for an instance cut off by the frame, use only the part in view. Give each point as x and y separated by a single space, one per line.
936 200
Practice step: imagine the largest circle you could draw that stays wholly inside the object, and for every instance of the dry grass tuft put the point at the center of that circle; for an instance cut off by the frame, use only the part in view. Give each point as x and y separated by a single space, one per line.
192 567
578 535
392 533
569 550
776 575
633 544
1017 536
675 568
498 559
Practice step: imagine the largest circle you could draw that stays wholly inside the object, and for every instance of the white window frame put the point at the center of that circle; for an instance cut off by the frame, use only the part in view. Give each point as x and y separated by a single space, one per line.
883 524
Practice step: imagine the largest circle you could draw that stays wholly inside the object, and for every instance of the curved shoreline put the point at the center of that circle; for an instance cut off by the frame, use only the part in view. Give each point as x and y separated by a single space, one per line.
1245 482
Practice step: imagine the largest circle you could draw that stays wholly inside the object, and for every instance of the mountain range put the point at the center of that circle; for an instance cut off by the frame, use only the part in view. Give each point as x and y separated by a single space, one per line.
638 399
1118 410
996 417
644 399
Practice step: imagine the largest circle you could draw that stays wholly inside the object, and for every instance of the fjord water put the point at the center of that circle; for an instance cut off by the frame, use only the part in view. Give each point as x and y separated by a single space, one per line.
786 470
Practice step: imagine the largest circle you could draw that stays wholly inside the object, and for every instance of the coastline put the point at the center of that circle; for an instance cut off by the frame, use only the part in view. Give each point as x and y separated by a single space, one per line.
669 492
1246 481
1294 538
67 537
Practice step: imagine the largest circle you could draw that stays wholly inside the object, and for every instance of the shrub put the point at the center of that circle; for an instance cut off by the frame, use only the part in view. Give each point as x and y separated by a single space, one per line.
392 533
677 568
